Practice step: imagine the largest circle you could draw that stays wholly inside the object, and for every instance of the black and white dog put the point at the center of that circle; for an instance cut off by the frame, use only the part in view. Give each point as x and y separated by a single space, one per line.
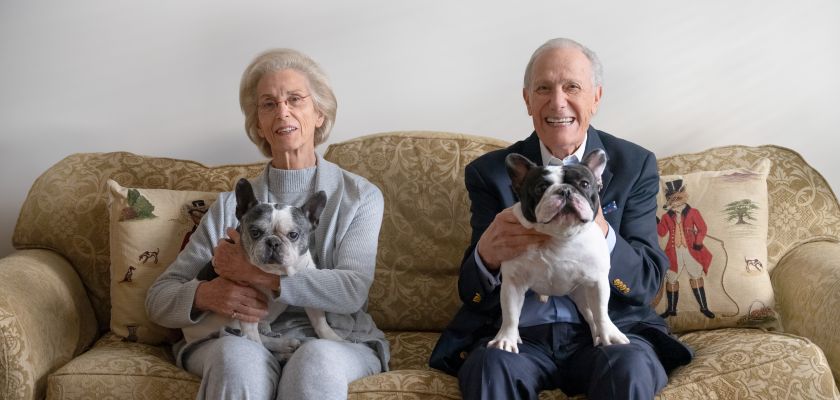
560 201
276 239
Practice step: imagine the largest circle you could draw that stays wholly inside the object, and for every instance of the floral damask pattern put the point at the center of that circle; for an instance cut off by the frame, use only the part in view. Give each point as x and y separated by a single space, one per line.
802 296
118 369
45 320
411 350
425 227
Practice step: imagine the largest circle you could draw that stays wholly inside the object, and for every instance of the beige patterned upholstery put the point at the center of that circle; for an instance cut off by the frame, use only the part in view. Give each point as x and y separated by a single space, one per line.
425 228
47 323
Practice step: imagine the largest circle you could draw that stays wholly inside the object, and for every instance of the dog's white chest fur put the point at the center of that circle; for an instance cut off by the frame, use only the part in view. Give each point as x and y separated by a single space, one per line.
563 263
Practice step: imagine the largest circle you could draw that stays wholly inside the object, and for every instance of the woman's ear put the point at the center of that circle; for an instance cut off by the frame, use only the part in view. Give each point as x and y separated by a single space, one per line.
321 120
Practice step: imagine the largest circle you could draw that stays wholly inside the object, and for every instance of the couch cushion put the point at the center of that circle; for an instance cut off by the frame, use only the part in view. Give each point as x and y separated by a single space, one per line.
119 369
724 214
425 227
66 208
149 227
405 384
751 364
729 364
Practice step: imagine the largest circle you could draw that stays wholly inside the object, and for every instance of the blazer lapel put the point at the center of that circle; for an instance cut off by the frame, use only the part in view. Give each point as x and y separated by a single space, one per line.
531 148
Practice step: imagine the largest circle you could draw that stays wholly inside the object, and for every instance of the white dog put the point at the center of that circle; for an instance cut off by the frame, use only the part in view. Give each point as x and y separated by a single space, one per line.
561 202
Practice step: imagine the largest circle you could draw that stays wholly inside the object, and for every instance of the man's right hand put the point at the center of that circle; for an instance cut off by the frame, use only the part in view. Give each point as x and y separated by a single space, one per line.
506 238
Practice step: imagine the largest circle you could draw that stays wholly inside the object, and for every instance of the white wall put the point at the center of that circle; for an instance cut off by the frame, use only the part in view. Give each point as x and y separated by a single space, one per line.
161 77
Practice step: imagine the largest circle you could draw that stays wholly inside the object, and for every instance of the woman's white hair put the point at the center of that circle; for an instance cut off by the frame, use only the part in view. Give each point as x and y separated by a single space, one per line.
563 43
276 60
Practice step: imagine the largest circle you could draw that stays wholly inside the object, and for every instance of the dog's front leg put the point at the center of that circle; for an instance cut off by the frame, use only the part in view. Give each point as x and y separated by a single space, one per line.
592 301
250 330
512 298
319 322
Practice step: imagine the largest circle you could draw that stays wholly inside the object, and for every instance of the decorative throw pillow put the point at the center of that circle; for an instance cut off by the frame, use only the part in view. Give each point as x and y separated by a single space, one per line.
713 228
149 227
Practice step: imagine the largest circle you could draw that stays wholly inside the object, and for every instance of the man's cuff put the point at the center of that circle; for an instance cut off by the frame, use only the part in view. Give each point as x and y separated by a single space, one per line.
489 280
610 238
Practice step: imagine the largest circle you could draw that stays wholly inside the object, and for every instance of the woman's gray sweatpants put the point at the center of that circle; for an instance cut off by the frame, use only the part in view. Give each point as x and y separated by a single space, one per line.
233 367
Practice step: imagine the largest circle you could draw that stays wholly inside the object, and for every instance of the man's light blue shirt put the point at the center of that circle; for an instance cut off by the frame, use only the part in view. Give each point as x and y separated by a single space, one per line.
558 308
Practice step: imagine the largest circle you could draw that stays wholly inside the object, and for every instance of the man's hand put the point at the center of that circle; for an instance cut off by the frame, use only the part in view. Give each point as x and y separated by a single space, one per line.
231 262
225 297
506 238
602 223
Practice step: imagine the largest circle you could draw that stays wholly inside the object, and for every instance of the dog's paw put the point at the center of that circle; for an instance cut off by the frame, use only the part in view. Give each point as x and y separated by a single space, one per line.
506 344
270 334
281 344
609 336
331 335
543 298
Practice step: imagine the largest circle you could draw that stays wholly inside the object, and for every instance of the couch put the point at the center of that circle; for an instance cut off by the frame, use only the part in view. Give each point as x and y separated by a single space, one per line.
54 289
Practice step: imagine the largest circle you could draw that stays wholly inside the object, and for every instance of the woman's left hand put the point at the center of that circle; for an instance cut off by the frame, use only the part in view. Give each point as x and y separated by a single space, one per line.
231 262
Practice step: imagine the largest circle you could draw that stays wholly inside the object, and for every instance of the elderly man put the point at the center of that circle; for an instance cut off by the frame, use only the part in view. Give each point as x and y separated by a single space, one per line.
562 91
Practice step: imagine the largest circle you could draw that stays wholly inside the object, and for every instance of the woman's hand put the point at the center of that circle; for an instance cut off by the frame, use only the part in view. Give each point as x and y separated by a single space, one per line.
225 297
506 238
231 262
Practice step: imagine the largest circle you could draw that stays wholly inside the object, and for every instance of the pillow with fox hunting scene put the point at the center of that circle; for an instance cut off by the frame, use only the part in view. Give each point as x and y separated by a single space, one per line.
149 227
712 226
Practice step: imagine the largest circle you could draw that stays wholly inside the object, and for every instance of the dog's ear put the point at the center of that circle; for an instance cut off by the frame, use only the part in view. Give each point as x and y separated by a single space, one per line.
517 167
596 161
245 198
313 208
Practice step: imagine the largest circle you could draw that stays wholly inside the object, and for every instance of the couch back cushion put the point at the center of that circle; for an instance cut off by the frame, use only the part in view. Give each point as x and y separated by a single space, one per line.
425 228
802 208
66 208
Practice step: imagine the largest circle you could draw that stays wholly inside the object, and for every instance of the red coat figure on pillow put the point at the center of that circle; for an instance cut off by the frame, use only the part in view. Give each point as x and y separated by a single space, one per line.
195 211
686 230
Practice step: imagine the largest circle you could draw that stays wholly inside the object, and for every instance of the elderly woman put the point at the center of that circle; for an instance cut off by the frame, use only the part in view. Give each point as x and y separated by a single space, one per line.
289 109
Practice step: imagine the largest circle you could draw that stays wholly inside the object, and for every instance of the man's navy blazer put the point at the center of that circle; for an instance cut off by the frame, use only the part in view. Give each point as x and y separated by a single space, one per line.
638 265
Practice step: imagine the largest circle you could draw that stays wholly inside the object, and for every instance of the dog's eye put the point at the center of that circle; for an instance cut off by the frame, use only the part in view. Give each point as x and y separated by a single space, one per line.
293 235
255 233
584 184
542 187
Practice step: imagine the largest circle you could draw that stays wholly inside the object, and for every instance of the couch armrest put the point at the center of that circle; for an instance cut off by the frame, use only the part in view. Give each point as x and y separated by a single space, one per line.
45 320
807 287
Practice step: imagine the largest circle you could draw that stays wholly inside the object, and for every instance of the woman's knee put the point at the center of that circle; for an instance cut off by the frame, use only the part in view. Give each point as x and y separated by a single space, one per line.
237 356
322 369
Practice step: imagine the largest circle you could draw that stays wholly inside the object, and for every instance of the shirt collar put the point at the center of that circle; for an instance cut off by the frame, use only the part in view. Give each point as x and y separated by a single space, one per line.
577 156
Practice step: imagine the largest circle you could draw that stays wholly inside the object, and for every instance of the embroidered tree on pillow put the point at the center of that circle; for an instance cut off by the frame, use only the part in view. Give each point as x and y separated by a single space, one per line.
741 210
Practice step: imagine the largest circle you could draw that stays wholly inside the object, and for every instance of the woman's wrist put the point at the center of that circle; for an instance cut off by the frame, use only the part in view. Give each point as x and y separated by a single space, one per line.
266 281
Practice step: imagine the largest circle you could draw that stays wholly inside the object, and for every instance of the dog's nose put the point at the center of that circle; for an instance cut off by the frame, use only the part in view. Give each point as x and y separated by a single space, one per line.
565 192
273 243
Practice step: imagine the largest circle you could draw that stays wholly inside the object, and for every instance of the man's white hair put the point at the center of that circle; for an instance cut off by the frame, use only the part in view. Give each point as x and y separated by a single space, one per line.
562 43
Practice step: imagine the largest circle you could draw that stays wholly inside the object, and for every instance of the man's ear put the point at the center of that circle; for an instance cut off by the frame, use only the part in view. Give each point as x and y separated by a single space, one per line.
517 167
526 97
598 92
245 199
